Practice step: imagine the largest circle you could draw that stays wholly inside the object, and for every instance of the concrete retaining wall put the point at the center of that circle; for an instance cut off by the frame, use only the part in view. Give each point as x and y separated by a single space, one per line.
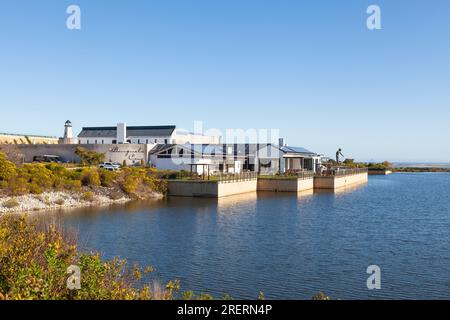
211 189
231 188
336 182
285 185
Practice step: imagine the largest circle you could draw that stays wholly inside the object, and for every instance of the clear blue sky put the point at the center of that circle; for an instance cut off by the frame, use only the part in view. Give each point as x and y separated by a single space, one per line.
310 68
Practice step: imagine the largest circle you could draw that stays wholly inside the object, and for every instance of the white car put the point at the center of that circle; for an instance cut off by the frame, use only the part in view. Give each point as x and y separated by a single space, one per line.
111 166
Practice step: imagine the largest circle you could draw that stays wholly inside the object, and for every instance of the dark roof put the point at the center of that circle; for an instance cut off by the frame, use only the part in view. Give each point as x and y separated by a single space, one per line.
289 149
240 149
140 131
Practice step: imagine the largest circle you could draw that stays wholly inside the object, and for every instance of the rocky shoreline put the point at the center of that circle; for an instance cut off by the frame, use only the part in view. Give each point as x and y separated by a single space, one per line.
62 200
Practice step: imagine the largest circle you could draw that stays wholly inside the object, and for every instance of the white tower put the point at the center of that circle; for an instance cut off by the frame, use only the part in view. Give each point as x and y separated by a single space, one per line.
68 131
68 134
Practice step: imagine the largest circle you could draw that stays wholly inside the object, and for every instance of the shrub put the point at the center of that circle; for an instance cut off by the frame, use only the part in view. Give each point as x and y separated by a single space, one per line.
18 186
11 203
35 188
38 174
156 184
36 269
74 185
130 184
7 168
107 178
90 177
88 196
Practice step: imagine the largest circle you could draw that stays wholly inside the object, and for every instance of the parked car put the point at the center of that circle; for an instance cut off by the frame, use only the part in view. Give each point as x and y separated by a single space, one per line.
47 158
111 166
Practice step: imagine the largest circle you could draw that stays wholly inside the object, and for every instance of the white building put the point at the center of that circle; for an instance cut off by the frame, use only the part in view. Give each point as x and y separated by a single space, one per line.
263 158
123 134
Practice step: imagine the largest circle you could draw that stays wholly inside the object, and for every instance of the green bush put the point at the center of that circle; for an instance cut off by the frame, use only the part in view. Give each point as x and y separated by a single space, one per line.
18 186
35 188
38 174
7 168
37 178
107 178
90 177
74 185
37 268
130 184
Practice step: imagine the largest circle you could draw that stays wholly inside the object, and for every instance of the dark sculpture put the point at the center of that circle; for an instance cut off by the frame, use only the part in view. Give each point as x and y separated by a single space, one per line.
338 154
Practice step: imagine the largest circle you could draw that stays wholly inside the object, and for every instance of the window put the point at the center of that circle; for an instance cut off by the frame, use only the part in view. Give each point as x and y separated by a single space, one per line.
181 153
139 141
165 141
95 141
87 141
103 141
156 141
146 141
265 164
114 142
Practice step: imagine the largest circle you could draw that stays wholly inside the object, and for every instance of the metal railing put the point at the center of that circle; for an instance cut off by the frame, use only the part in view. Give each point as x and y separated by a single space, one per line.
217 177
244 176
294 175
342 171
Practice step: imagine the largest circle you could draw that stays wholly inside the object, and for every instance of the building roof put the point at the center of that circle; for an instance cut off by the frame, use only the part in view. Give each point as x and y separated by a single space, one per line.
290 149
140 131
239 150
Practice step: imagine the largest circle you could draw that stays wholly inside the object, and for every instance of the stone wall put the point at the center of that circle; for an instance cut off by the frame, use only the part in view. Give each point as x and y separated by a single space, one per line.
133 154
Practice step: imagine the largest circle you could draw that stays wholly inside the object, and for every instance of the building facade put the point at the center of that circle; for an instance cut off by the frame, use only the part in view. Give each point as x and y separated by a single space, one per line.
233 158
123 134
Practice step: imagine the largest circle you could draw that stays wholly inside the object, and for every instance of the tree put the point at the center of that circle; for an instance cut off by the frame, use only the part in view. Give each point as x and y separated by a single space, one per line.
89 157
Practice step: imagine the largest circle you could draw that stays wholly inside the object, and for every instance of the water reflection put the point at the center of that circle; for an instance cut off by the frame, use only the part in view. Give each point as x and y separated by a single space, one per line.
286 244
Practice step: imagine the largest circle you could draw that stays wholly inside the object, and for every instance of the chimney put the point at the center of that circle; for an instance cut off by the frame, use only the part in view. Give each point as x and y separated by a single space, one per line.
121 133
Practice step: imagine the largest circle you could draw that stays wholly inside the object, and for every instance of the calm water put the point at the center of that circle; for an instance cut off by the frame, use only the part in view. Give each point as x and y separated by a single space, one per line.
289 246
